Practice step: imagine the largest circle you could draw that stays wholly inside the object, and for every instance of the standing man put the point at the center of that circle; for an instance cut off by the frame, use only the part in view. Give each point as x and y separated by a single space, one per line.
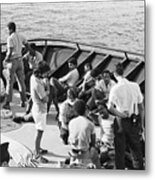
13 65
126 103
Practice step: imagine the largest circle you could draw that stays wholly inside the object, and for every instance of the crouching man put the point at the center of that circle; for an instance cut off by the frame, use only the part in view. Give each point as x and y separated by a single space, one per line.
82 137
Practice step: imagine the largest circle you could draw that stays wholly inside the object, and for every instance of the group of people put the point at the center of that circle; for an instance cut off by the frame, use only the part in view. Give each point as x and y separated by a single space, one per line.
98 94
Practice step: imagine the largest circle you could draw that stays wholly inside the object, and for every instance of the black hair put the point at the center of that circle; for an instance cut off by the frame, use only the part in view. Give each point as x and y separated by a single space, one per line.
106 72
119 69
89 65
42 67
33 46
95 72
12 26
79 107
72 61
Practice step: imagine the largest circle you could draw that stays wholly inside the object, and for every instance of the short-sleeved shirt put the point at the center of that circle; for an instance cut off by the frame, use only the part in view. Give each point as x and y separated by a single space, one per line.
16 41
37 90
71 78
125 95
80 131
33 60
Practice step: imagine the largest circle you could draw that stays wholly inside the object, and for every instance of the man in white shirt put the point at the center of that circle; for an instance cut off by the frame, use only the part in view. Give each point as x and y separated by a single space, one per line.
69 80
126 103
13 65
82 135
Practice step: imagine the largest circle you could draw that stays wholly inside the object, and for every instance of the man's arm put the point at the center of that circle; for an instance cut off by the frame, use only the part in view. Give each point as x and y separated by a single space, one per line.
65 78
118 115
141 112
9 53
115 112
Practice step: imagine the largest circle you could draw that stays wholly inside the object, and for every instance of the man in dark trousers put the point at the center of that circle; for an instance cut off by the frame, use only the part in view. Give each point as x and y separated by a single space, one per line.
126 103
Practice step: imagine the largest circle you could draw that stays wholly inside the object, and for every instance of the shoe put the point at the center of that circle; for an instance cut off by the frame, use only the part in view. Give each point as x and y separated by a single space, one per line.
43 151
67 161
6 106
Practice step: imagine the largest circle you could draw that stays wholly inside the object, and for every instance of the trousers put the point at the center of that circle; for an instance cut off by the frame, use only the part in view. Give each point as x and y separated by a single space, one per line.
14 69
129 137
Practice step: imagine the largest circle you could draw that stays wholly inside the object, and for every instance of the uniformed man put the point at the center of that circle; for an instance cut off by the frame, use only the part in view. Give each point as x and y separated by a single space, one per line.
126 103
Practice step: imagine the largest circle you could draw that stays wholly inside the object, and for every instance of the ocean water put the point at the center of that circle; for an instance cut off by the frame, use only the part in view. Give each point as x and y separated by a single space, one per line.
114 24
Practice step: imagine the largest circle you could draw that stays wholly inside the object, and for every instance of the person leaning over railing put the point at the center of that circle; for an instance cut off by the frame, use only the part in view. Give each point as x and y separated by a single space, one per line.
31 59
